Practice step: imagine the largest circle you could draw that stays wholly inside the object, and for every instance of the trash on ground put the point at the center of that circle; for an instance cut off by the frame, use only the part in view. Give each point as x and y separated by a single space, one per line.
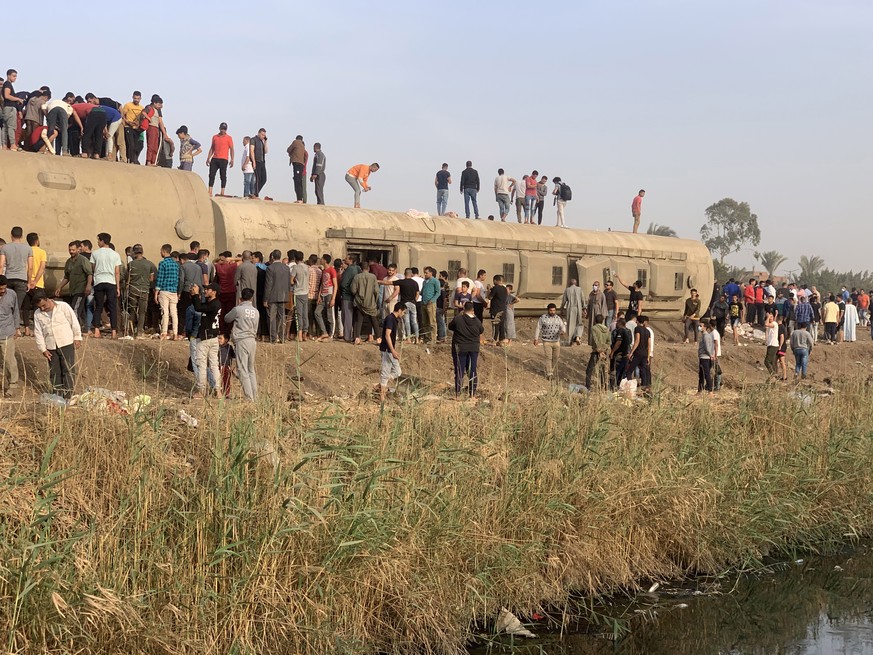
140 402
52 399
577 388
114 402
187 419
507 622
654 587
838 568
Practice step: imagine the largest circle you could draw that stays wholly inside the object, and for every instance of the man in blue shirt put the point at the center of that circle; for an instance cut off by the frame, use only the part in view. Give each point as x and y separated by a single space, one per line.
430 294
441 182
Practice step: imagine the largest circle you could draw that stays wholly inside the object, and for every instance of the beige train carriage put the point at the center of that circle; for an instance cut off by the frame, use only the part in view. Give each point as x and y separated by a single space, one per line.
64 199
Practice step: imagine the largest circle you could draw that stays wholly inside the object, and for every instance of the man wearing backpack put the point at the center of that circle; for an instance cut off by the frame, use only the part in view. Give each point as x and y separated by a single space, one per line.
562 194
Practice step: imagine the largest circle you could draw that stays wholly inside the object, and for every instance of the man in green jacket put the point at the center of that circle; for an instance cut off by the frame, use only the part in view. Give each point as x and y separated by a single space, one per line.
599 358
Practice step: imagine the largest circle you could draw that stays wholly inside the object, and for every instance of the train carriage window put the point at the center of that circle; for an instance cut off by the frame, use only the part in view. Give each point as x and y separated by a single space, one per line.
678 281
453 268
557 276
508 273
643 276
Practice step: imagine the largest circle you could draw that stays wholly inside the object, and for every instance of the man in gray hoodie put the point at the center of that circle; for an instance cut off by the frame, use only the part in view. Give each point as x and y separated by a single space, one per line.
277 287
245 318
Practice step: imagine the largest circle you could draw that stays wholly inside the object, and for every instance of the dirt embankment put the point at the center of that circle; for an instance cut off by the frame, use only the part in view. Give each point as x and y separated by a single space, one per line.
337 370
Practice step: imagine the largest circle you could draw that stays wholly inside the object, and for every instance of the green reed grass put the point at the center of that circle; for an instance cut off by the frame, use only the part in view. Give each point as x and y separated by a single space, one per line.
277 528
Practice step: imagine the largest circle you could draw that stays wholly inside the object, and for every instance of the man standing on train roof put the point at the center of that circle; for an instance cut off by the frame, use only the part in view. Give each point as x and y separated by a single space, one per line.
637 209
442 181
470 189
130 114
319 165
220 153
258 151
357 177
296 160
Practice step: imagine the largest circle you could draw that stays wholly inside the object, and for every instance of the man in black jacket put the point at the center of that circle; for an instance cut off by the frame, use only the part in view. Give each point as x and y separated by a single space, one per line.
470 188
466 330
210 328
498 296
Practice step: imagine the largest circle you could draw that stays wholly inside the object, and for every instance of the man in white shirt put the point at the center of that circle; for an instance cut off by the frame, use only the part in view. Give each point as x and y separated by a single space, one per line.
58 336
107 283
502 190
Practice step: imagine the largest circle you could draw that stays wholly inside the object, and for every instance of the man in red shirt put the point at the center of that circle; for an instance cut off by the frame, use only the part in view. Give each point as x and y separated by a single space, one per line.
749 312
225 275
220 153
637 209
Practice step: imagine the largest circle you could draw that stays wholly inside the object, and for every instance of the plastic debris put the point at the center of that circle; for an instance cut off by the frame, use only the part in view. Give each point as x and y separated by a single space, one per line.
576 388
98 398
804 399
838 568
628 388
187 419
654 587
681 606
140 402
507 622
52 399
414 213
798 562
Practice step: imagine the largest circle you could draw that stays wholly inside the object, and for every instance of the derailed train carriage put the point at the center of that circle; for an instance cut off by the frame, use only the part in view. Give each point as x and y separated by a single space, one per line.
66 198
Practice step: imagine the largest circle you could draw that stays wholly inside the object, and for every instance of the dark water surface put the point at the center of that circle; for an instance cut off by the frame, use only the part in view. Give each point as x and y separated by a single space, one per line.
815 606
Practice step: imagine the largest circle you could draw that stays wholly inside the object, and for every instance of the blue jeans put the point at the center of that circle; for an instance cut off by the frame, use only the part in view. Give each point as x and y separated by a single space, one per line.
465 363
248 184
503 204
410 321
530 205
89 309
470 194
801 361
441 324
442 201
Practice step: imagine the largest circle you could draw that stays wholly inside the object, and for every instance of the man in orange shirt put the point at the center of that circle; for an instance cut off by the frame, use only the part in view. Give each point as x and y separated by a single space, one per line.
637 209
357 178
863 307
220 152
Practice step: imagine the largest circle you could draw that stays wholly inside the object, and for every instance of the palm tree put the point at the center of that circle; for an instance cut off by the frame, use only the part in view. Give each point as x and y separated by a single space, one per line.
810 267
661 230
771 261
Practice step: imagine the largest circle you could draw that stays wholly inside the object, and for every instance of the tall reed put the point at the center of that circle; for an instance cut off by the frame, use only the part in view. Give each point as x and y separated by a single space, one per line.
289 529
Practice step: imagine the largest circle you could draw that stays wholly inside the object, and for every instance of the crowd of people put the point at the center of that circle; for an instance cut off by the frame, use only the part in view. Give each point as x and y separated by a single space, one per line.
224 305
103 128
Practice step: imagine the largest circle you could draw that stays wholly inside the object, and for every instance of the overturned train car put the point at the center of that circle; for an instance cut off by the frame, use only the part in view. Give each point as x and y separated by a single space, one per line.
65 199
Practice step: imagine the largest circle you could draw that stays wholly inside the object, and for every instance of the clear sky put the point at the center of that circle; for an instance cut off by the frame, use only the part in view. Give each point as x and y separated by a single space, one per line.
693 100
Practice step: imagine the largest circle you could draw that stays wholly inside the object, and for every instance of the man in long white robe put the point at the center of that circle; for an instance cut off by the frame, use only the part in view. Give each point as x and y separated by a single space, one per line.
573 304
850 322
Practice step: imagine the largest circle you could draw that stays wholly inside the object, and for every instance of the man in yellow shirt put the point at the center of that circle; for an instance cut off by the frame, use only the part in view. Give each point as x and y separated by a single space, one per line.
830 316
36 281
130 115
357 178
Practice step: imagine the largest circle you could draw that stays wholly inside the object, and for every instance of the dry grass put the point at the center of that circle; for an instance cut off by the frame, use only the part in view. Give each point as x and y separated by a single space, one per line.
396 531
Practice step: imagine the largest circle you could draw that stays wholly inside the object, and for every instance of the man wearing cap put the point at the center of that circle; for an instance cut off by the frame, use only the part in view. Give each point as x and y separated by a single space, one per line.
210 328
220 153
58 336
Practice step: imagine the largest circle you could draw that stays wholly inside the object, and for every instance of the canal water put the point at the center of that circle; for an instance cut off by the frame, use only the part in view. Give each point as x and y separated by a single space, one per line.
811 606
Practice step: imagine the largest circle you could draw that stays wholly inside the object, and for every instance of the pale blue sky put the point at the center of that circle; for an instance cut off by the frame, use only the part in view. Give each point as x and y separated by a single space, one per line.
692 100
